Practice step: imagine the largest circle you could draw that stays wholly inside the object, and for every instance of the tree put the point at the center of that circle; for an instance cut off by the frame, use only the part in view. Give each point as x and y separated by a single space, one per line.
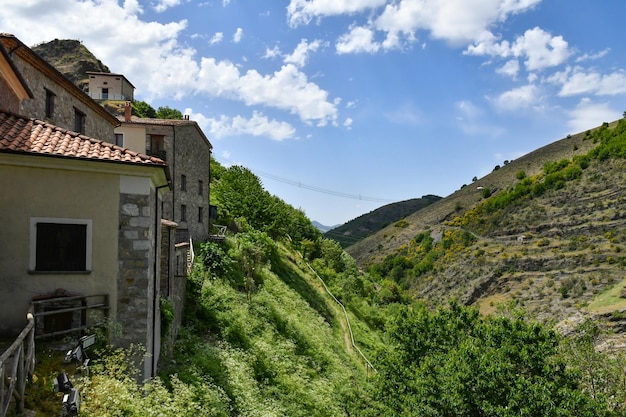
453 362
143 109
165 112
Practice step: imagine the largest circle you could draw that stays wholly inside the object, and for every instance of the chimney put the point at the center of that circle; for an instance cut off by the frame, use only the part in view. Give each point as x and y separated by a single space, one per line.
186 117
128 111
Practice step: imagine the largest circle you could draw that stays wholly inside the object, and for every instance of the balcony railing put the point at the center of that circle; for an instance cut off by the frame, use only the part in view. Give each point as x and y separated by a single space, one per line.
159 154
17 364
74 314
109 96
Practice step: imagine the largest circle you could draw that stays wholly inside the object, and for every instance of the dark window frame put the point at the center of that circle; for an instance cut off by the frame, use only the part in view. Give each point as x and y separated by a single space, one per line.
60 245
50 99
79 121
183 213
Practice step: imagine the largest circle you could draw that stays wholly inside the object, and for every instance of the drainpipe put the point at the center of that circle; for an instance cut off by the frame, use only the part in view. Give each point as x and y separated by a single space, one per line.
155 298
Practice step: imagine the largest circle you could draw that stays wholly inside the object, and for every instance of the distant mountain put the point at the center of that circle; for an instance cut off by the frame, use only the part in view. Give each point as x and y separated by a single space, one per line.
366 224
72 59
321 227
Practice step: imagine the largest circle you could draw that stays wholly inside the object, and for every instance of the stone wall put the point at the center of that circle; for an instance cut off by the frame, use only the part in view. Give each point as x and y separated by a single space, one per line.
137 298
8 100
193 156
187 153
64 104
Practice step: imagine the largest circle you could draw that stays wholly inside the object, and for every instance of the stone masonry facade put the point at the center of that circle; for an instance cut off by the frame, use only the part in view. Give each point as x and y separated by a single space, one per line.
64 104
188 155
135 282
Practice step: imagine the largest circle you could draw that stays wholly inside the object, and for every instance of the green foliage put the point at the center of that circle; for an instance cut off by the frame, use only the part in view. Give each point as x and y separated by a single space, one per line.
452 362
240 194
143 109
600 374
166 112
167 315
214 259
403 224
112 390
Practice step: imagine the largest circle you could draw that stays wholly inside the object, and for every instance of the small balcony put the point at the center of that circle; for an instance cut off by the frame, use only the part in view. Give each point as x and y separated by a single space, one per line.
158 154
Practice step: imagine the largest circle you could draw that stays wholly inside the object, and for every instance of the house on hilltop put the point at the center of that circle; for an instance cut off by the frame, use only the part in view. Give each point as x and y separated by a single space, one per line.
109 86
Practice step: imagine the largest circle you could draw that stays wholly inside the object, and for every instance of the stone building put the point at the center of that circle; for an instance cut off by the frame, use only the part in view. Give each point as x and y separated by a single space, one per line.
109 86
81 215
187 152
52 97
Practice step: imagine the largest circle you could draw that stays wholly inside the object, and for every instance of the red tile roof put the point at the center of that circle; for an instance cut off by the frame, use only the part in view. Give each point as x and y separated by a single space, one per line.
24 135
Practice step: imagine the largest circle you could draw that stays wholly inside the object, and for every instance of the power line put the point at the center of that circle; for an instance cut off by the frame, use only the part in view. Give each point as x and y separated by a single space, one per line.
320 190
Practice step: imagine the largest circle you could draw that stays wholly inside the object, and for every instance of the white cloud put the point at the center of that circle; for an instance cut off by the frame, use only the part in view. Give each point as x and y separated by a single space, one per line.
510 68
238 35
302 11
589 114
593 57
151 57
359 39
527 96
216 38
576 81
348 123
539 48
257 125
300 55
163 5
454 21
271 53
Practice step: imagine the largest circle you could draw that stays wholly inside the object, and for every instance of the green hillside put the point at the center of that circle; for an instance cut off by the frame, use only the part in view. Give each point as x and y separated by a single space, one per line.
357 229
546 232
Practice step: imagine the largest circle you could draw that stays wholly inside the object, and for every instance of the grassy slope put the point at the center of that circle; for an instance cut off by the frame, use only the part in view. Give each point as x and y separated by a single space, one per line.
282 351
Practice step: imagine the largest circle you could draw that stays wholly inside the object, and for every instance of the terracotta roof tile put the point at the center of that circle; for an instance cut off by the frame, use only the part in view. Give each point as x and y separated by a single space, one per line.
22 134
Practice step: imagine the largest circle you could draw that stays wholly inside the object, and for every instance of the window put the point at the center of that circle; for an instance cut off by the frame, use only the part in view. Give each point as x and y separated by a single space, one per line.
105 93
155 143
50 104
119 139
60 245
155 146
200 215
183 213
183 183
79 121
200 186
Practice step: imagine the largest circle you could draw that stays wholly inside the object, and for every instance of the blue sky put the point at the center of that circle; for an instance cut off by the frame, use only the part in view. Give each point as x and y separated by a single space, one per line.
342 106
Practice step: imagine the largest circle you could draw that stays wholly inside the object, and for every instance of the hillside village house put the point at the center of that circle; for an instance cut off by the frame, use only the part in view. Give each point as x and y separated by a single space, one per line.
80 216
108 86
187 152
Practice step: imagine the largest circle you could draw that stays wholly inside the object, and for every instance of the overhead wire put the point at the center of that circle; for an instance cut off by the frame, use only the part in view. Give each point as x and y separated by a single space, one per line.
319 189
